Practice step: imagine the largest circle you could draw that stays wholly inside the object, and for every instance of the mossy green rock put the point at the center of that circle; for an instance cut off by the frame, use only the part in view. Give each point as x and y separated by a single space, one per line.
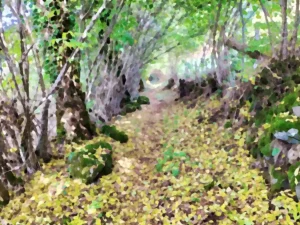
132 107
112 132
143 100
129 108
91 148
85 166
137 105
107 158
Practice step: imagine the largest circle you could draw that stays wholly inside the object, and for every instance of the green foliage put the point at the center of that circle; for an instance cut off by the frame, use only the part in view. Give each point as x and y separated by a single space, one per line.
264 145
90 104
175 171
228 124
143 100
289 101
171 160
209 186
291 175
266 150
132 106
112 132
277 124
275 151
280 177
60 132
66 220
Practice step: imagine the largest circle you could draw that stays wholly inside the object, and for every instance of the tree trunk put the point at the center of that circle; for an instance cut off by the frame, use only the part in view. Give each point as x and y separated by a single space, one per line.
232 43
267 21
295 31
72 106
71 100
4 168
43 142
27 153
4 195
284 31
214 50
116 85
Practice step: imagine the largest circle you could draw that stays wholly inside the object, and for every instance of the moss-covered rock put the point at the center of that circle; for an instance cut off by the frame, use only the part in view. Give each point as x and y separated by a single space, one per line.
91 148
112 132
85 166
107 159
91 162
143 100
281 124
131 107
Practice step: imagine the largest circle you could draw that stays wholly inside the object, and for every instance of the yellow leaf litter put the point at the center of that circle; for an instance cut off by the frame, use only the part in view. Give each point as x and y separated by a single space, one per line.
135 193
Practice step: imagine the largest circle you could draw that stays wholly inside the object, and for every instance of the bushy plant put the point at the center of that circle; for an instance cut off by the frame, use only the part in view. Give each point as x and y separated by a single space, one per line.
170 162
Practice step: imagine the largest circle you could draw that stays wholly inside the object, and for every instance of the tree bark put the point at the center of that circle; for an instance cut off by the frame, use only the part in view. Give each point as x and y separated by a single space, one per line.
114 86
214 50
232 43
4 194
284 31
70 98
43 142
295 31
268 24
5 171
27 153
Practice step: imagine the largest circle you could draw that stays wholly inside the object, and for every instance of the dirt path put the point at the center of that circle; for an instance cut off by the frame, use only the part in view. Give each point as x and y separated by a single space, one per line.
171 171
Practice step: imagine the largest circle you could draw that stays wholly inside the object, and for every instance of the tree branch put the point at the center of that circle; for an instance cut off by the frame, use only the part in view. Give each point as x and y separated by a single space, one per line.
232 43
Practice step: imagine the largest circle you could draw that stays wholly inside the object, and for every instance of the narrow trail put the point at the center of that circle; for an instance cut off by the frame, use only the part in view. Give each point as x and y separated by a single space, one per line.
215 184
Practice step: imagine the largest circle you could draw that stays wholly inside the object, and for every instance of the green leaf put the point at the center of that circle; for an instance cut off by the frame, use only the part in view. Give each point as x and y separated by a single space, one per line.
195 199
266 150
168 155
90 104
175 171
170 167
96 204
293 174
71 155
179 154
237 137
275 151
159 165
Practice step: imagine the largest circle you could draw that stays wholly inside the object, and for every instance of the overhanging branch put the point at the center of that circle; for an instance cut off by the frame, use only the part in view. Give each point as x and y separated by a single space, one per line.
232 43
